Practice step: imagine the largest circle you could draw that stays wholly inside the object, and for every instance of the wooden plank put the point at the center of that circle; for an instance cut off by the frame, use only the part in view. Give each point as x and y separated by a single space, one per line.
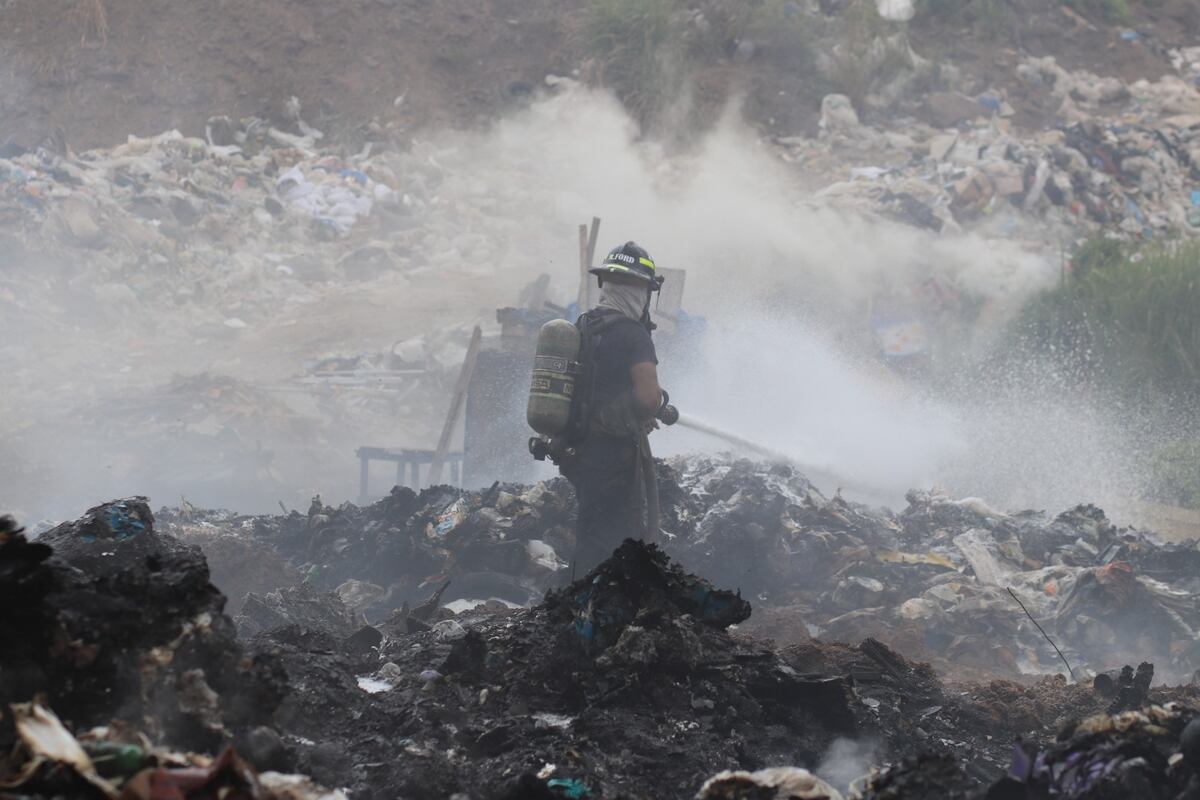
581 302
593 235
456 404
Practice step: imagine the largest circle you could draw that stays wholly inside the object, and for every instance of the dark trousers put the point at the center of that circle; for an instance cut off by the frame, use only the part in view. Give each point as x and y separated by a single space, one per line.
604 474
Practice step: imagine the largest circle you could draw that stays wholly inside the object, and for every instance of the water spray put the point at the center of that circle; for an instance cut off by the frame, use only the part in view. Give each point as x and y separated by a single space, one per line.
818 473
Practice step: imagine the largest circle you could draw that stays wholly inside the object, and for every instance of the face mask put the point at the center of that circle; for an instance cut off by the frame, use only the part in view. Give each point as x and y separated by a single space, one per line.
631 300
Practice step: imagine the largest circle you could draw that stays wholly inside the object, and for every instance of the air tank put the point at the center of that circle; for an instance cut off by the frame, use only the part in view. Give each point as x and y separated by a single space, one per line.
555 369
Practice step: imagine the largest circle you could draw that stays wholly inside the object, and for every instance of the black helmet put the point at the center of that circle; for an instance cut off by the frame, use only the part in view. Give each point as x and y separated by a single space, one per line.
629 259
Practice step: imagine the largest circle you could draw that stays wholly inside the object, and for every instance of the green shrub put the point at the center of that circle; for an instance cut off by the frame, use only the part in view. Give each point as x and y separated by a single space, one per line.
1107 10
1150 299
988 18
639 48
1128 315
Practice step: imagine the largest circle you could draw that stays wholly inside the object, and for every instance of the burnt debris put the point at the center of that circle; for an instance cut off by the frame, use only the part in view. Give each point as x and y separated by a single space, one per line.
437 644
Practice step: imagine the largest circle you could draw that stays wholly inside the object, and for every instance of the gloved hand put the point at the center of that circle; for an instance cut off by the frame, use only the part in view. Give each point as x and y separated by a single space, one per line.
667 413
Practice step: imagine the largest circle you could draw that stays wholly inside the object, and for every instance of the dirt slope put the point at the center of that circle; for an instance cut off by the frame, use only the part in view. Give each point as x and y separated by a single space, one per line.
150 65
107 68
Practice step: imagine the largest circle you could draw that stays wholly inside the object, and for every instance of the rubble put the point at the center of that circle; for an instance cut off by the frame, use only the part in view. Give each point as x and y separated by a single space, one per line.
505 542
637 680
102 764
1123 159
1138 753
777 783
625 680
295 605
114 620
932 581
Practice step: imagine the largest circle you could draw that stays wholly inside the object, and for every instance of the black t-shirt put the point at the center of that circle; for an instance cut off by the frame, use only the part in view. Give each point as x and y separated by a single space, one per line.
619 347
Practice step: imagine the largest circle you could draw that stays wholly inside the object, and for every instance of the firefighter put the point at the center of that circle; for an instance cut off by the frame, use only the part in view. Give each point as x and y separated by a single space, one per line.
612 468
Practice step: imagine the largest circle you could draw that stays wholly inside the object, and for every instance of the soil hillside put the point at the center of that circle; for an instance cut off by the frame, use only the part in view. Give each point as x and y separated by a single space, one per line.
110 69
91 75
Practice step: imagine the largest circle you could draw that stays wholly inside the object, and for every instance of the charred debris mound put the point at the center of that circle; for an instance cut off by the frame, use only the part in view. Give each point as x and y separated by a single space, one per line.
111 620
943 581
363 667
626 682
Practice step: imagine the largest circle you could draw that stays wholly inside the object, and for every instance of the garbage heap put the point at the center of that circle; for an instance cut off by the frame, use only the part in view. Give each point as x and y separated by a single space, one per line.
110 618
624 682
185 222
953 582
1119 158
121 661
630 682
507 542
950 581
215 233
116 627
1152 752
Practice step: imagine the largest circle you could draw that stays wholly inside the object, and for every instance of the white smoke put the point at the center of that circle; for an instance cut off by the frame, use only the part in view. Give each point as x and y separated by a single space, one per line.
783 281
848 760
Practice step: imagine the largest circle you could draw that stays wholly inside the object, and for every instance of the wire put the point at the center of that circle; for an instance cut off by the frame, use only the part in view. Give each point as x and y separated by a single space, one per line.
1039 627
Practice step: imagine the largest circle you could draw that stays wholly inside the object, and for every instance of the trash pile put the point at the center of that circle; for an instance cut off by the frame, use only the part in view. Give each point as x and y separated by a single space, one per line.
953 582
117 763
1124 159
227 229
116 621
949 581
635 680
630 682
624 682
244 211
507 543
117 627
119 672
1151 752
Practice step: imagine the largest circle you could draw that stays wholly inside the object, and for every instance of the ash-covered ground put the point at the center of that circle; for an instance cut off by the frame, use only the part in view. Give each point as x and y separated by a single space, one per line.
436 645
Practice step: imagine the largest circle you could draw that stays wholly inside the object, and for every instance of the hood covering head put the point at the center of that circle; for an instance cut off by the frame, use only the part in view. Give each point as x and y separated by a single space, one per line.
631 299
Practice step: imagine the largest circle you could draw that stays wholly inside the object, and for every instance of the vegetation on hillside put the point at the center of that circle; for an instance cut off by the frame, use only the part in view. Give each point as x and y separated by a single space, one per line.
1104 10
644 49
1125 320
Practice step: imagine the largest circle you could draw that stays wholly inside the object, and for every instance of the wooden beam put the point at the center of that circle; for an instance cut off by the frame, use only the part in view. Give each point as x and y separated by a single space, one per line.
456 404
593 235
581 301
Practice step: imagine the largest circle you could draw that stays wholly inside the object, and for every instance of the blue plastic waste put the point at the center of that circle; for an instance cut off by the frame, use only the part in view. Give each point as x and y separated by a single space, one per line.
123 523
359 177
571 788
1132 209
990 102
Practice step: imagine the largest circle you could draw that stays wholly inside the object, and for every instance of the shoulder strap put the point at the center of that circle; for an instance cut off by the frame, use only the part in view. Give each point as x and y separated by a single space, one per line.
592 326
599 320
